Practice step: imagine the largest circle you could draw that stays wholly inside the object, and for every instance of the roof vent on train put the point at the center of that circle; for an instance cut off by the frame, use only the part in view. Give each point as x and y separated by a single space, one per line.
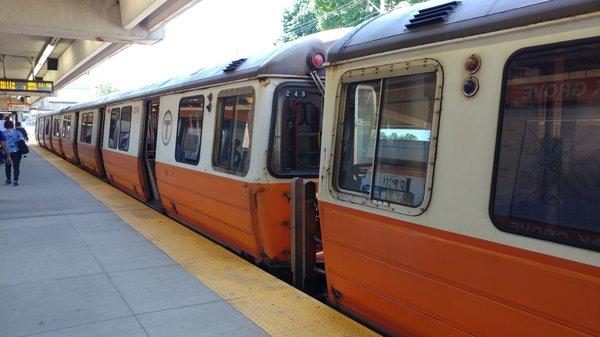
233 65
431 15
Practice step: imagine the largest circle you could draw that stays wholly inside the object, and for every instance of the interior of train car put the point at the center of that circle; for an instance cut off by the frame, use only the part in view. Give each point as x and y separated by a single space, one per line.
457 188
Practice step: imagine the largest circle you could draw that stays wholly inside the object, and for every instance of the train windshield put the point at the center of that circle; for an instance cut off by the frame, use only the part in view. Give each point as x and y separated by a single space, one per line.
295 146
385 144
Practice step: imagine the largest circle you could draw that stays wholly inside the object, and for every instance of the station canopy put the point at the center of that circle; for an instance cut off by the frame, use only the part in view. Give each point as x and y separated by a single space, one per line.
44 45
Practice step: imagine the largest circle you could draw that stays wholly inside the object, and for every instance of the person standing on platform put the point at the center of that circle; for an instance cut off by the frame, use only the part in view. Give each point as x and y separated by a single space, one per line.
4 150
22 130
12 138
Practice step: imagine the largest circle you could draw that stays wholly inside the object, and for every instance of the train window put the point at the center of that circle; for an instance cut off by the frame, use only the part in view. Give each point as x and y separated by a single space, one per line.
56 127
545 182
387 137
113 128
46 126
125 128
233 133
295 149
189 130
87 120
82 127
66 127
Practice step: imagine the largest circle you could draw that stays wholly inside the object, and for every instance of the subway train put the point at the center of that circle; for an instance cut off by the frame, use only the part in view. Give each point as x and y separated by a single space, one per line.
458 156
215 149
459 189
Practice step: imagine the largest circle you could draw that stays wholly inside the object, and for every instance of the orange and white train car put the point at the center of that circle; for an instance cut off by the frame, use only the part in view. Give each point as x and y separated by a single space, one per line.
217 149
227 151
459 183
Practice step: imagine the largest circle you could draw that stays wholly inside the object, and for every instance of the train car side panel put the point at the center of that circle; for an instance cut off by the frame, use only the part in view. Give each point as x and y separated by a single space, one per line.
412 276
214 205
122 171
120 149
449 262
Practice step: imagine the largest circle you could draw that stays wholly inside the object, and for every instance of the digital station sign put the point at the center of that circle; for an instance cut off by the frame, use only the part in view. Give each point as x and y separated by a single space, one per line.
45 87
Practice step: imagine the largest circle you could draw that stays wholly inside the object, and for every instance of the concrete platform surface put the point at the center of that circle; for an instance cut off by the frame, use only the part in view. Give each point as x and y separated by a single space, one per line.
80 258
69 266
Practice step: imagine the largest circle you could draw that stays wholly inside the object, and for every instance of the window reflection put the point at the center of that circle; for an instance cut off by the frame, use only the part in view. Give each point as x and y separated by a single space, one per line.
124 128
296 147
234 128
547 172
189 130
386 133
113 128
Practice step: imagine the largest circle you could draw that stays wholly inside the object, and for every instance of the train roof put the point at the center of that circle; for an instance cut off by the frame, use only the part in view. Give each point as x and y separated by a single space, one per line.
289 59
442 20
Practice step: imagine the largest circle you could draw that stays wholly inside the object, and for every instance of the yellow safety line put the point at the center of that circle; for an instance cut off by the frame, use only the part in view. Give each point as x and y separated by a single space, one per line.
276 307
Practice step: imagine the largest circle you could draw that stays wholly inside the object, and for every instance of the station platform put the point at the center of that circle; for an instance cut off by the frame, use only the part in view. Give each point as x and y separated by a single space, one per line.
80 258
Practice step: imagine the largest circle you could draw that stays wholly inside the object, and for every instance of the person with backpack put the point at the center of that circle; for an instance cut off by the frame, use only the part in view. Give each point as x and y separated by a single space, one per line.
13 137
4 150
22 130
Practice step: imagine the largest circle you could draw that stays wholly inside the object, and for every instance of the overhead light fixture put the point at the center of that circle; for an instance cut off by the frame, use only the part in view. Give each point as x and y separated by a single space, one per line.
45 54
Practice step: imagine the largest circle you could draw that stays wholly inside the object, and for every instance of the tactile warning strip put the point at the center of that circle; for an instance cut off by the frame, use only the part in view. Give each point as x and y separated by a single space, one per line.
278 308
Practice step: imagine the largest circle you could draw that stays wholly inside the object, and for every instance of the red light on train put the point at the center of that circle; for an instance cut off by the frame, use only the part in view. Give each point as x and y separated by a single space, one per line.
472 64
316 60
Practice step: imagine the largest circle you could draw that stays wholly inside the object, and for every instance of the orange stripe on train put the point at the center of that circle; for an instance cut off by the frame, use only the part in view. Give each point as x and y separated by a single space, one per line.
408 278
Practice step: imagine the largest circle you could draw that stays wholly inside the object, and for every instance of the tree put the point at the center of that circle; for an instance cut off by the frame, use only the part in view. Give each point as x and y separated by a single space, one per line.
309 16
105 89
298 21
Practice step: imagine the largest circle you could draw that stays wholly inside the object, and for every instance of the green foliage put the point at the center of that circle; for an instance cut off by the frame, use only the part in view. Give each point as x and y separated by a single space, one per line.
396 136
105 89
309 16
343 13
298 21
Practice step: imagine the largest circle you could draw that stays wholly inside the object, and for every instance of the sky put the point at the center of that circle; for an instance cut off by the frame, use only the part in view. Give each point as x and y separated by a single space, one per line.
210 32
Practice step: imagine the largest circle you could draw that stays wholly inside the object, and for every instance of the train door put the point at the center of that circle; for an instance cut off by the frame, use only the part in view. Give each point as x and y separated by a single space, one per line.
75 131
100 142
149 148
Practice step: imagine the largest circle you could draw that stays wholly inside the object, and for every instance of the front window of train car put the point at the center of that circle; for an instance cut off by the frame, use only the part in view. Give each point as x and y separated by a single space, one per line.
295 133
547 172
234 133
386 139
